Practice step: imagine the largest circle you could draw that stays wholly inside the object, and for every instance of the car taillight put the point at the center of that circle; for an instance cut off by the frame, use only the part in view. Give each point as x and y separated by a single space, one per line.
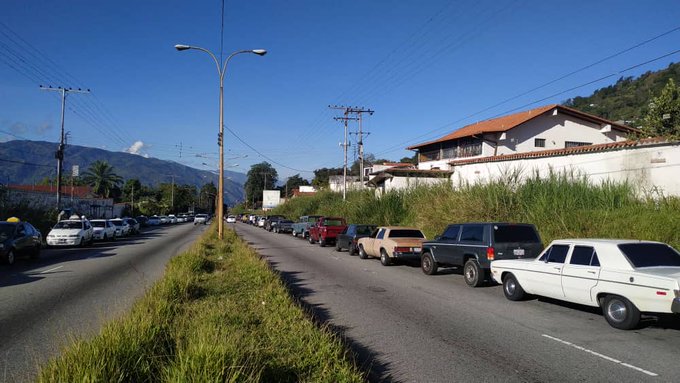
490 255
401 249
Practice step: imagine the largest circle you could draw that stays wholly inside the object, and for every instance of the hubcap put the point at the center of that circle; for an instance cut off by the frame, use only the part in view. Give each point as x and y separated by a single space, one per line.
470 273
617 310
426 263
510 286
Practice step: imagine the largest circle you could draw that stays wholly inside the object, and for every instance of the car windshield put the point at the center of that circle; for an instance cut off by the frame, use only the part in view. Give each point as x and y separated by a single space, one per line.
515 233
98 223
365 230
650 254
69 225
117 223
406 233
6 231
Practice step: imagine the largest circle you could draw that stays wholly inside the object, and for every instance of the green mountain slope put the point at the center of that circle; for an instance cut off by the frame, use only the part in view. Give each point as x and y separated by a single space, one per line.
627 99
27 162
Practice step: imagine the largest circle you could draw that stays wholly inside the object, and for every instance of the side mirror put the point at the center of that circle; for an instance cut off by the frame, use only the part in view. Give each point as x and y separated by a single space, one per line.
437 237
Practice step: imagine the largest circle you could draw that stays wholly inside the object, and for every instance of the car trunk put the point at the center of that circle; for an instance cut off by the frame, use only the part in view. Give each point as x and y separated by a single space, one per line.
517 250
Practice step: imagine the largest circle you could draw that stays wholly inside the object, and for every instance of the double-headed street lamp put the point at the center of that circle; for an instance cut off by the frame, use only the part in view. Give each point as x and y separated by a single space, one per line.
221 70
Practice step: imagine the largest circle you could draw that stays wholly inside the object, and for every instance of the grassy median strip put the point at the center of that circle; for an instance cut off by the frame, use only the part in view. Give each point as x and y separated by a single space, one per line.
218 314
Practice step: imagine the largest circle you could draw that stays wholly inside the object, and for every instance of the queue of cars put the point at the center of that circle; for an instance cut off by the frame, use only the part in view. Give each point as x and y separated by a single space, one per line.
19 238
625 278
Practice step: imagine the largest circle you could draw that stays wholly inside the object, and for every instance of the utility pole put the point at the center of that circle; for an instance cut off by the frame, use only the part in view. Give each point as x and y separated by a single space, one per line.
172 192
358 111
133 199
59 154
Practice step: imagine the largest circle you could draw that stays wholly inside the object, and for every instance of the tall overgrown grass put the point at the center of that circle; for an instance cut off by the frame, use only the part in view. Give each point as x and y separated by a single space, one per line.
218 315
561 206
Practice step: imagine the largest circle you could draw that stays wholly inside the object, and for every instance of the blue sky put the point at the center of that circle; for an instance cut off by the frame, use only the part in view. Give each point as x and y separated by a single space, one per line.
425 67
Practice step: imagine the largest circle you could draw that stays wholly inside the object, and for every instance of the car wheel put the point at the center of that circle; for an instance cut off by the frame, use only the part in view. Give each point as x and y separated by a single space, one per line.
311 240
294 233
362 252
512 289
620 312
82 242
106 238
337 246
428 264
352 249
322 242
473 273
384 258
10 258
36 252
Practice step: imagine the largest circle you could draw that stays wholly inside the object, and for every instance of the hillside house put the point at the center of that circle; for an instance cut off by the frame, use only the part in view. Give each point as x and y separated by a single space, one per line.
545 128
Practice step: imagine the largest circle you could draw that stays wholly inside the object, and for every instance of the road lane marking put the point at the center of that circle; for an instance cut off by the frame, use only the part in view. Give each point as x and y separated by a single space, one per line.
605 357
52 269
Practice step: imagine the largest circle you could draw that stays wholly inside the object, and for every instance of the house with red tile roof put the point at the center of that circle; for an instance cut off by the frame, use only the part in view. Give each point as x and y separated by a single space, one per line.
550 127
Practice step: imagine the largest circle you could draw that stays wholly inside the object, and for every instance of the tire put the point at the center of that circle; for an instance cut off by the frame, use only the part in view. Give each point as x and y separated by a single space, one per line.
428 264
35 254
82 242
337 246
294 234
362 252
352 249
512 289
620 312
473 274
322 242
384 258
10 257
310 239
106 238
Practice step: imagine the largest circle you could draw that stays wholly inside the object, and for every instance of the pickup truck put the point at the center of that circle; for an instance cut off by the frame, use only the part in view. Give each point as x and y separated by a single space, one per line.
301 229
326 230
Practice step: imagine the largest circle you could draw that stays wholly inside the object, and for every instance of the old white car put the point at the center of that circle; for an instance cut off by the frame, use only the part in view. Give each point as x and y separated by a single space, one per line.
71 232
623 277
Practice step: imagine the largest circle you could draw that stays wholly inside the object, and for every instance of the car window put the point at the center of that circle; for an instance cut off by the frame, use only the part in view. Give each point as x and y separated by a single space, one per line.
345 230
514 233
650 254
472 233
451 232
381 234
98 223
68 225
333 222
364 230
557 253
595 261
20 230
582 255
406 233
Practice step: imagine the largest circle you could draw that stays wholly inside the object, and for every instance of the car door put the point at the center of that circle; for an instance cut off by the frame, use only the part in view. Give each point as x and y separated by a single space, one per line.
544 276
378 242
367 242
22 241
580 275
445 248
343 238
471 242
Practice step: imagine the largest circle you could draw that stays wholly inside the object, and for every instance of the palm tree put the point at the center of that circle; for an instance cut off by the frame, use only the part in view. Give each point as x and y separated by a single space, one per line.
101 177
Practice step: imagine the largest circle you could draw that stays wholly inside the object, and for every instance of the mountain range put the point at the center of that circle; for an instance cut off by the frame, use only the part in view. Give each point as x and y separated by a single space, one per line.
28 162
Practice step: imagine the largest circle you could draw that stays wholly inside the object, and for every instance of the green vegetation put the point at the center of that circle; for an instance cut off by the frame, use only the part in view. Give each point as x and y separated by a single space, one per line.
663 116
628 99
562 206
218 314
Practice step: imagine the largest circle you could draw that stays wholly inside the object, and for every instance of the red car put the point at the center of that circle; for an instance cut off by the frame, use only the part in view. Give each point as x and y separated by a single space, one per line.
326 230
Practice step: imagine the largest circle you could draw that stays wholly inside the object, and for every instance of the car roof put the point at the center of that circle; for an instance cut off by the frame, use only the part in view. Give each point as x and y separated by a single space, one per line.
399 228
595 241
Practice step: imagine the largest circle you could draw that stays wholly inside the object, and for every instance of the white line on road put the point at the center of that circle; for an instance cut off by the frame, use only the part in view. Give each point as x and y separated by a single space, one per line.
52 269
605 357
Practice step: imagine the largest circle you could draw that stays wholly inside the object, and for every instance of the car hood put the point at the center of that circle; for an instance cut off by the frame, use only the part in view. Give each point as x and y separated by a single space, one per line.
65 231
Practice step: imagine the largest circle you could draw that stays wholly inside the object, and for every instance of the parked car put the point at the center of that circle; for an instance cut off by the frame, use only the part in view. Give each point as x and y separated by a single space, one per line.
154 221
143 221
283 226
623 277
261 222
473 246
301 228
231 219
103 230
201 218
122 227
71 232
164 219
349 237
270 220
134 225
326 230
18 238
172 218
392 243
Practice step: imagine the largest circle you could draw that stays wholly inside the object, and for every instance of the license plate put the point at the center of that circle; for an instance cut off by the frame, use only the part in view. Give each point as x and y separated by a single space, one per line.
518 252
416 249
61 241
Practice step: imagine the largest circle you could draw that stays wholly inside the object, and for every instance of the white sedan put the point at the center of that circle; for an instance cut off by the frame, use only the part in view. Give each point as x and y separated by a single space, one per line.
623 277
70 232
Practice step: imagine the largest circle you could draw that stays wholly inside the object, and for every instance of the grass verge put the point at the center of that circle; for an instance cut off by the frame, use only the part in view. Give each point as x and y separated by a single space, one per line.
218 314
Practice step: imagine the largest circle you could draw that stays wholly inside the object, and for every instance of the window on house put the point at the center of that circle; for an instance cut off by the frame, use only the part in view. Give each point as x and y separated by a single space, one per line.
539 142
573 144
469 147
432 155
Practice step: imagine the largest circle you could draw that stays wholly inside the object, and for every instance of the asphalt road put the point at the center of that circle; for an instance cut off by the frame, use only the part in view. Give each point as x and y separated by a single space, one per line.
72 292
405 326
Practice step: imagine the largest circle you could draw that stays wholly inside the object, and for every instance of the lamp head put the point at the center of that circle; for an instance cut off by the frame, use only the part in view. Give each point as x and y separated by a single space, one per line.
259 52
182 47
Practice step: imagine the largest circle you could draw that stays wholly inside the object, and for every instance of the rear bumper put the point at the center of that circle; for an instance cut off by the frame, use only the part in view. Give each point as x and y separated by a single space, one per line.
407 256
675 306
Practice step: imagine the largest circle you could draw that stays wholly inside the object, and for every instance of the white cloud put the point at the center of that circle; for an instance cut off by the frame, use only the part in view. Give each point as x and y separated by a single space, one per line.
136 148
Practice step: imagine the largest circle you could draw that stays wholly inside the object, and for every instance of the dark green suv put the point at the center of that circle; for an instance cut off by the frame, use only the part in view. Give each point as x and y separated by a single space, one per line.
473 246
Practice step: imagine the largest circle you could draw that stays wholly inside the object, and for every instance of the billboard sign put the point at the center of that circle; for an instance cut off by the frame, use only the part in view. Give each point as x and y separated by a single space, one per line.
271 199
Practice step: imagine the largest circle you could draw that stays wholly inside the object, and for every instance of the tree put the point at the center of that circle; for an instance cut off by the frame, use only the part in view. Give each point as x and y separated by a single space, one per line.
101 177
132 188
206 197
261 177
663 116
410 160
294 182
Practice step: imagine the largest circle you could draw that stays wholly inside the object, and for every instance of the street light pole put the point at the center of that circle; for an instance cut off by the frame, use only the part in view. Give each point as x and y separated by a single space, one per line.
221 71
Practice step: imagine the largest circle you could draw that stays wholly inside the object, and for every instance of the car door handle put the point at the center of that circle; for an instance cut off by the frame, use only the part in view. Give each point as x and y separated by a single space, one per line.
557 268
591 272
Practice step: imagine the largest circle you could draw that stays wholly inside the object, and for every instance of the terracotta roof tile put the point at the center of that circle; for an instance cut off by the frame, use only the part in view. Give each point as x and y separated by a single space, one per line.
505 123
78 191
563 152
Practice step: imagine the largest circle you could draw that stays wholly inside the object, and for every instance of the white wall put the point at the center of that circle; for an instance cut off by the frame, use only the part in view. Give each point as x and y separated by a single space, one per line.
646 167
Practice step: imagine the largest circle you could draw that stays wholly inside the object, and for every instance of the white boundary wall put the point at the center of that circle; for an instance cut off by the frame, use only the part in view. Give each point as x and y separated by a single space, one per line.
647 167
